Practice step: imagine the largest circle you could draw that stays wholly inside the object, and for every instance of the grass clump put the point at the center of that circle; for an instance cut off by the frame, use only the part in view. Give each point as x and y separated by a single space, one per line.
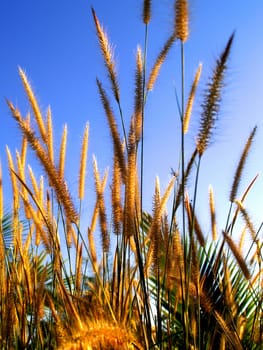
156 282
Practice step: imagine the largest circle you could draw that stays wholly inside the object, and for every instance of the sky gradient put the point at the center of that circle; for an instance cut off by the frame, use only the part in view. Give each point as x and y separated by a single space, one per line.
55 43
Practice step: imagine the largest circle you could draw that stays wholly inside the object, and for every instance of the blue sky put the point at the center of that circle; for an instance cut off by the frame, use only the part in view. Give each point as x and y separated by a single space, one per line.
55 43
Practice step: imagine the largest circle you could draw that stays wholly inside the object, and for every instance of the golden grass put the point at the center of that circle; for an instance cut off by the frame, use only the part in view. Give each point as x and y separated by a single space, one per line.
133 280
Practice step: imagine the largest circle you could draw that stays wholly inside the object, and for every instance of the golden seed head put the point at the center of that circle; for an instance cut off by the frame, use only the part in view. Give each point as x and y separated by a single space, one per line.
181 19
159 61
189 107
146 11
83 162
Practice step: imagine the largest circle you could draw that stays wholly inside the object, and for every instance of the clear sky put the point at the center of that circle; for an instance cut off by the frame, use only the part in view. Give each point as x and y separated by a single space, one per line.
54 41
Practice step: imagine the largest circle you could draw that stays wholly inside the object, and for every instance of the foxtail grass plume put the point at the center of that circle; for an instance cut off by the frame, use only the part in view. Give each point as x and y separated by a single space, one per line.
93 253
83 162
155 231
146 14
62 152
117 144
34 104
212 99
117 212
159 61
189 107
24 145
241 165
54 178
247 219
130 188
50 135
212 213
13 180
181 20
138 95
193 222
101 206
107 54
33 181
237 254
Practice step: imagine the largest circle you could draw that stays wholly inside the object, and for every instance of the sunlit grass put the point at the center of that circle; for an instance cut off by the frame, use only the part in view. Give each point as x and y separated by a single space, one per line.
156 281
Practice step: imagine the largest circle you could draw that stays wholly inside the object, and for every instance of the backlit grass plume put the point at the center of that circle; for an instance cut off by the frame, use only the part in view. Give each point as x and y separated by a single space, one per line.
107 54
212 100
181 20
241 164
159 61
146 14
53 175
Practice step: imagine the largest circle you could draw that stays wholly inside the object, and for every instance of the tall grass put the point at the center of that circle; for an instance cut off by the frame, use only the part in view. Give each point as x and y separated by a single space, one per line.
156 282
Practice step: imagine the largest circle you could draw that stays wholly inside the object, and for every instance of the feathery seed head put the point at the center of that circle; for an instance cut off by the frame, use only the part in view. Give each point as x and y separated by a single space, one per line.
159 61
83 162
117 144
62 153
236 252
241 165
138 95
34 104
56 181
146 11
212 213
190 101
212 99
50 135
181 19
116 197
107 54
